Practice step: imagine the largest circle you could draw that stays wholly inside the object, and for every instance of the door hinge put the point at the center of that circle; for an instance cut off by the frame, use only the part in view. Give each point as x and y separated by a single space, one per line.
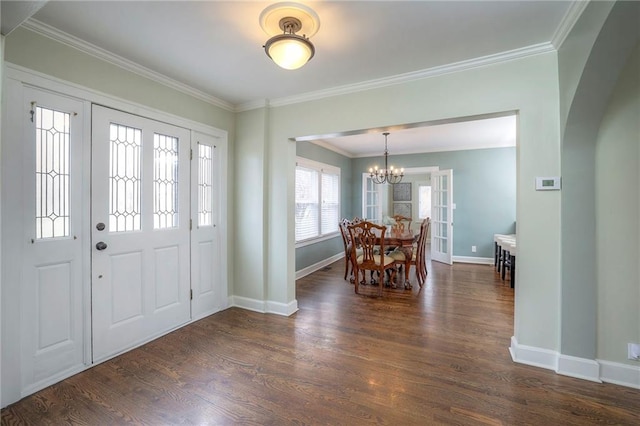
191 154
191 294
190 224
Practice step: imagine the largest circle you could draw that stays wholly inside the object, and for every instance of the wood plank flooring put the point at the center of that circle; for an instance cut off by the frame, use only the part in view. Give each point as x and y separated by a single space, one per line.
433 356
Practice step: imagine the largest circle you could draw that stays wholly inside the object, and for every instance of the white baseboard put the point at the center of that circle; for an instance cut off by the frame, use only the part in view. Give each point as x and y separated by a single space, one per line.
531 355
582 368
285 309
317 266
476 260
265 306
620 374
53 379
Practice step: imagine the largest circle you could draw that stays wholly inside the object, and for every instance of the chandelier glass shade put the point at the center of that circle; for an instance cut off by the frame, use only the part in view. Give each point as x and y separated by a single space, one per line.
388 174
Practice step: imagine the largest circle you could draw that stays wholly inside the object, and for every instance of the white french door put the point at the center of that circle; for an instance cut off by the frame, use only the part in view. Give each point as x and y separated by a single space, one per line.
140 219
442 216
52 320
371 199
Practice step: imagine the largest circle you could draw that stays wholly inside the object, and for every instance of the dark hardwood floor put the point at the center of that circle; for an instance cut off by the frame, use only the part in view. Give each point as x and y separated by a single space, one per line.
438 355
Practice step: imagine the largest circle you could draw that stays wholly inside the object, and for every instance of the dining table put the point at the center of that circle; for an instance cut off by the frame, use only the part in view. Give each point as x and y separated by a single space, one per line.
403 240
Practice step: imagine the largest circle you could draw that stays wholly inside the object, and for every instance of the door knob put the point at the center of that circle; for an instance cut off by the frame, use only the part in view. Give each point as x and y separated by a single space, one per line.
101 245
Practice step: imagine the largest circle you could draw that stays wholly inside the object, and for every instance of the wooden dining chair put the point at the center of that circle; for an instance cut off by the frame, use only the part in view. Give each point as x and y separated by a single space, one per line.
403 223
346 238
421 252
418 258
348 242
368 236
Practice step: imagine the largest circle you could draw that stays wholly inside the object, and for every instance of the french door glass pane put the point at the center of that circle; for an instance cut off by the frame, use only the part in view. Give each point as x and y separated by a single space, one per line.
424 201
205 185
52 173
165 181
124 178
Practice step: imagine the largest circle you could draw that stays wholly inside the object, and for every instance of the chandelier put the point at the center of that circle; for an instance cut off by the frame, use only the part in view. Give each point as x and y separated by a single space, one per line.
388 174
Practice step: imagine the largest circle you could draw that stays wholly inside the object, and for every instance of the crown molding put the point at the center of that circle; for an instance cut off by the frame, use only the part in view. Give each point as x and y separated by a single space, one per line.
102 54
255 104
48 31
568 21
333 148
483 61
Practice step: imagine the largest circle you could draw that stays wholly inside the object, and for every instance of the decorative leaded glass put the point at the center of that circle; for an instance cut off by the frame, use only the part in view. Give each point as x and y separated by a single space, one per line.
124 178
52 173
205 185
165 181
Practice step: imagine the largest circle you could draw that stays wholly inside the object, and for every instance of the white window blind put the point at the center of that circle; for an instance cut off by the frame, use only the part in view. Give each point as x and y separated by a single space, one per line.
317 193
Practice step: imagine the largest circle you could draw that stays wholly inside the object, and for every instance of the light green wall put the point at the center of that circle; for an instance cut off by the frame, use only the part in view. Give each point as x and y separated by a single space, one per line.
528 85
251 179
575 51
39 53
617 33
617 161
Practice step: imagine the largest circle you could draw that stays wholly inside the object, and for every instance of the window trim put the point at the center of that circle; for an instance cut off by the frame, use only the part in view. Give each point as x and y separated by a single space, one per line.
327 169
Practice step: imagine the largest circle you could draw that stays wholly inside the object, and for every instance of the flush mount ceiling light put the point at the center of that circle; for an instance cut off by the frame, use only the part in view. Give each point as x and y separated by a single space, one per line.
281 21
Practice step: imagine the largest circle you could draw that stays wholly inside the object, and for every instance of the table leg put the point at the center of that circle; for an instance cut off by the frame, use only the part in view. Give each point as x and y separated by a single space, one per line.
407 267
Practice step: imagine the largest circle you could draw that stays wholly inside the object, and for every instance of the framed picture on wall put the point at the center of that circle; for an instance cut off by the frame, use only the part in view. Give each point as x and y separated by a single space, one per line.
402 209
402 192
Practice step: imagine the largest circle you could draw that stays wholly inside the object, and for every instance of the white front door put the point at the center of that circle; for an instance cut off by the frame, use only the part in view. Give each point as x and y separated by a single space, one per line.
140 230
205 250
442 220
52 320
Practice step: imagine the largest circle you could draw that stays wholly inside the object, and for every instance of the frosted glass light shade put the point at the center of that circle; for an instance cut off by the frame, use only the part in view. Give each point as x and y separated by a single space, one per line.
289 51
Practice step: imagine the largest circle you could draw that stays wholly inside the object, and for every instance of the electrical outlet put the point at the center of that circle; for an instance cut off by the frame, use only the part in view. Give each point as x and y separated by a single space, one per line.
634 351
473 249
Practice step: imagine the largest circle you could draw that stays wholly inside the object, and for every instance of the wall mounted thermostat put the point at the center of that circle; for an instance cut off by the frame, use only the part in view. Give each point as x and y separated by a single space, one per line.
548 183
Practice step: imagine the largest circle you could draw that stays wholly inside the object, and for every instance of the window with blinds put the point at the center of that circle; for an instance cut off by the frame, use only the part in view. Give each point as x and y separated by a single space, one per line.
317 199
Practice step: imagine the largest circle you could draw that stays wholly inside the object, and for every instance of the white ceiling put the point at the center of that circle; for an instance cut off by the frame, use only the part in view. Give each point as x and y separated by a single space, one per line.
463 134
214 48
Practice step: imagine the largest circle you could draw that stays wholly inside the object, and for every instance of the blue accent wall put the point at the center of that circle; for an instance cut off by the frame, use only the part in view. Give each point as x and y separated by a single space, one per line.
314 253
484 191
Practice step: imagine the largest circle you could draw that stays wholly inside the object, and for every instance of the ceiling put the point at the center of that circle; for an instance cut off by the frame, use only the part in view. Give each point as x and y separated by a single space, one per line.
456 135
214 48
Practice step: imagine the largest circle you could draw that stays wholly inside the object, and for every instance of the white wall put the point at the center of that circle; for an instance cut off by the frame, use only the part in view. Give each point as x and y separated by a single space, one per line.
617 165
